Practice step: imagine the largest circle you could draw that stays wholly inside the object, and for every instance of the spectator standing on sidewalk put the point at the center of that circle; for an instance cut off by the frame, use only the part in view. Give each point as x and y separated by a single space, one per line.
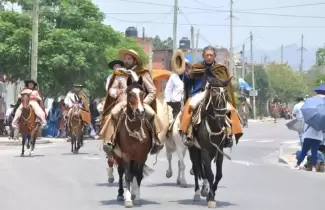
298 115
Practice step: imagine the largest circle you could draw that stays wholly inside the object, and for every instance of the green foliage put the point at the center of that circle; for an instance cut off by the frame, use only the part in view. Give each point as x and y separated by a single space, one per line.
159 44
74 45
286 83
262 85
320 57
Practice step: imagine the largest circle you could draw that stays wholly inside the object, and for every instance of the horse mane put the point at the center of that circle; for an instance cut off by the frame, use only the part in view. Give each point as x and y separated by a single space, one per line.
134 85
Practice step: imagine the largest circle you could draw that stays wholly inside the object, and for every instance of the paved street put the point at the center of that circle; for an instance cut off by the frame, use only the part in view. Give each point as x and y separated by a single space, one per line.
55 180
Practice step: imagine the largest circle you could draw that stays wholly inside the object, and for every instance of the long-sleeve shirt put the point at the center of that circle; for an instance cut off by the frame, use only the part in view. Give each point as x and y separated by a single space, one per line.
119 85
33 94
107 81
174 91
150 87
71 99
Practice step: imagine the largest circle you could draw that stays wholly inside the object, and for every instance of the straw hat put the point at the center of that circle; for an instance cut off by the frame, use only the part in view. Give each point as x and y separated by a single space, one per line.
133 53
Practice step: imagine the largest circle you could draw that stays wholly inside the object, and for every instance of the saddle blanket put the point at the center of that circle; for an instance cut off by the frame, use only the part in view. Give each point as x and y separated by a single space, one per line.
85 116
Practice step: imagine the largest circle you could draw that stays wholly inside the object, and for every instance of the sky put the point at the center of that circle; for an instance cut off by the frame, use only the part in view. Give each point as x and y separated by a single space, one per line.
211 18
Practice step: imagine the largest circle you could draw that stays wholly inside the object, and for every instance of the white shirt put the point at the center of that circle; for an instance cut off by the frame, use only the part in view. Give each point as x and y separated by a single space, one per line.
8 112
174 91
70 99
312 133
107 81
297 110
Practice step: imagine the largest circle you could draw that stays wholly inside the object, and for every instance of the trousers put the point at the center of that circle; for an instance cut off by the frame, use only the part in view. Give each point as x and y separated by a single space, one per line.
309 144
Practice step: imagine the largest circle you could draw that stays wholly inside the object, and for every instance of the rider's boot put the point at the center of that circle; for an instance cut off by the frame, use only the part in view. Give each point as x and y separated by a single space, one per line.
157 144
108 145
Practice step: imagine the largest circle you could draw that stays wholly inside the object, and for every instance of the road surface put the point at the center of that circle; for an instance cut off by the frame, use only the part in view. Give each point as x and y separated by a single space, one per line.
55 180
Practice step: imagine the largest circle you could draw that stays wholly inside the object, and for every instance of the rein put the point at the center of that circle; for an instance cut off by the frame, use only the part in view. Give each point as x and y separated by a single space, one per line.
137 134
71 124
29 115
219 96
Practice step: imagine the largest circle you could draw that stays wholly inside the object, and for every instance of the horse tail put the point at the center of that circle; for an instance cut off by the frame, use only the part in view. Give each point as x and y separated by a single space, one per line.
197 164
147 170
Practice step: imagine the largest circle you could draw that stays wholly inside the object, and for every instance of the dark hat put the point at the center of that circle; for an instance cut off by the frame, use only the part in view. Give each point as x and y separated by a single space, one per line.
114 62
320 89
77 85
30 81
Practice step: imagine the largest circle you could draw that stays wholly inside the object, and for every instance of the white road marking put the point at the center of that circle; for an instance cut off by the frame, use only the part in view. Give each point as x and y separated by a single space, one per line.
265 141
91 157
244 140
243 162
291 142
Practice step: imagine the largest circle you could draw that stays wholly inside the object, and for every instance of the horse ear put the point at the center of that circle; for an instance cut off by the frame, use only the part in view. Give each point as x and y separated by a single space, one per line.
129 82
226 82
140 81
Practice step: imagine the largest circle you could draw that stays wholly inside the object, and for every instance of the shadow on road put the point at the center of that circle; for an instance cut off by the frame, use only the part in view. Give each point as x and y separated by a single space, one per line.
121 203
115 184
27 156
167 184
202 202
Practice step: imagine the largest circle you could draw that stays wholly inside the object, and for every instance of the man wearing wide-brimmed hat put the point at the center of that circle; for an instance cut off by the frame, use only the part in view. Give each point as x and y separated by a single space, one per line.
116 99
115 65
36 103
174 91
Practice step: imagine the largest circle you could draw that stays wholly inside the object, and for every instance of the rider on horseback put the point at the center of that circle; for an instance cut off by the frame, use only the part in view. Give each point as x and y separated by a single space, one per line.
76 97
174 92
198 75
116 100
36 102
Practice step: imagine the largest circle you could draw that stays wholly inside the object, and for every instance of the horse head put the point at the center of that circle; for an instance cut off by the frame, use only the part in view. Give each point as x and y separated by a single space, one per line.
25 100
75 113
216 99
135 95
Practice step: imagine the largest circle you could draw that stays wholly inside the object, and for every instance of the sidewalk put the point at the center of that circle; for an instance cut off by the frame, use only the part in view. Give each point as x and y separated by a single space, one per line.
288 155
265 119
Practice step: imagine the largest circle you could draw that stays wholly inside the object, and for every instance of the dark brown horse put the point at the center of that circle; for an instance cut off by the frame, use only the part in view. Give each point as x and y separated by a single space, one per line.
28 125
133 143
210 135
76 126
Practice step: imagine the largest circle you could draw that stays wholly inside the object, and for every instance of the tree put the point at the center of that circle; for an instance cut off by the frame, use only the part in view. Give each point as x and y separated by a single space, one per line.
320 57
159 44
74 45
262 86
286 83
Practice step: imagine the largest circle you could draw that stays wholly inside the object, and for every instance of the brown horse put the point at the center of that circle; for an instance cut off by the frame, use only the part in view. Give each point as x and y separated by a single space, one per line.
275 111
28 125
76 126
133 143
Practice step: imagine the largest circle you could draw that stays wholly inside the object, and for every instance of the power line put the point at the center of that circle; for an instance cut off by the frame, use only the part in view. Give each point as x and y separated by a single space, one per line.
207 5
225 25
227 11
284 7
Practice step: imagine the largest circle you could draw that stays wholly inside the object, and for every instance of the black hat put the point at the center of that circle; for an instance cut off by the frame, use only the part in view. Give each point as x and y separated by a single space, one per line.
114 62
30 81
77 85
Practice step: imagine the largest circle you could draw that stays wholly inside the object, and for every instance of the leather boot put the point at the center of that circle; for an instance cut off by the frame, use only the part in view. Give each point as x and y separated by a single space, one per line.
157 144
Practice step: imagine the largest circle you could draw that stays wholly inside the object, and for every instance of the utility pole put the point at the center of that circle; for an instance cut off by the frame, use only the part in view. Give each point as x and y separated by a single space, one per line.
193 45
243 63
175 26
253 76
34 56
231 57
197 42
301 54
281 54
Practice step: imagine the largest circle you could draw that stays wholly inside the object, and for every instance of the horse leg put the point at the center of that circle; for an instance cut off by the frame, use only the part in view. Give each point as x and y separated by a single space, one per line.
22 147
120 196
110 170
169 172
128 203
196 164
72 145
76 139
181 152
197 196
31 139
218 171
137 184
206 157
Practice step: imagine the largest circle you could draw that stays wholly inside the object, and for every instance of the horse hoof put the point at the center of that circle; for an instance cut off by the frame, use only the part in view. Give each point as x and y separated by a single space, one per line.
110 180
169 174
184 185
137 202
133 197
192 172
22 155
212 204
204 193
120 198
197 197
128 204
178 182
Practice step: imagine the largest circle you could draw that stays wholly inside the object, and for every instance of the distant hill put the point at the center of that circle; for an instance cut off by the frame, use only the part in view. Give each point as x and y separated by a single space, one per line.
290 54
